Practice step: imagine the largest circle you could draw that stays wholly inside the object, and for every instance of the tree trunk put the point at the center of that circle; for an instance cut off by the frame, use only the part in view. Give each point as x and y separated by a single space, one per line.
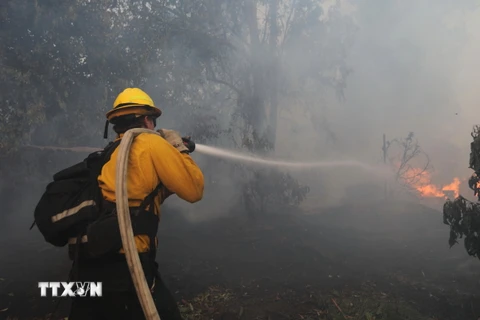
255 107
274 74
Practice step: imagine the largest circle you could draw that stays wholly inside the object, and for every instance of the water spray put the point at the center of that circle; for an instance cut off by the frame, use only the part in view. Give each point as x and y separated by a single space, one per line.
232 155
379 170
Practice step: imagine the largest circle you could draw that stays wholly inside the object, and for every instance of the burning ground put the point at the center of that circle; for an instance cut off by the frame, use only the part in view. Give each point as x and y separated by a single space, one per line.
420 181
377 261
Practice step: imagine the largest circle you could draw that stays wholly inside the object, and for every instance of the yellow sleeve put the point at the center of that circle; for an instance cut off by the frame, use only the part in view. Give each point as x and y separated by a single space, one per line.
177 171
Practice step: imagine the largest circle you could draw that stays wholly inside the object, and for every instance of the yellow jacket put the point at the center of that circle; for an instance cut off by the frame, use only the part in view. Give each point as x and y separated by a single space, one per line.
153 160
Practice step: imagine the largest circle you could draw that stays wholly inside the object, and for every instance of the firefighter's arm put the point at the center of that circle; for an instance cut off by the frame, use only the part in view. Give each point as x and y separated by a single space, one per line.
177 171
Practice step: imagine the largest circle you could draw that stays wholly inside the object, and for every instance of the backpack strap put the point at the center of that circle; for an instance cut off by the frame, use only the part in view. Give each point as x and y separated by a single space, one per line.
107 153
109 149
149 199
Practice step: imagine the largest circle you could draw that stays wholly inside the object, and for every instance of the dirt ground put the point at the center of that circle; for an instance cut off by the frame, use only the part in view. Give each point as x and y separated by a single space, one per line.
382 261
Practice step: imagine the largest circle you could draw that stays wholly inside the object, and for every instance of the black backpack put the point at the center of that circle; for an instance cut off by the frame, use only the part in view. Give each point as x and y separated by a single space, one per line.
73 199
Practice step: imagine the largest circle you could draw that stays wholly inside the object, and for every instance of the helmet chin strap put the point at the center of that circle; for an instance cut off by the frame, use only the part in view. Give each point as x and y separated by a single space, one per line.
105 133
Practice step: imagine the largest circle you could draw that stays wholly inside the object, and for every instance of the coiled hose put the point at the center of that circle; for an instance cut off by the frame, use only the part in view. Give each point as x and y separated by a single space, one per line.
125 224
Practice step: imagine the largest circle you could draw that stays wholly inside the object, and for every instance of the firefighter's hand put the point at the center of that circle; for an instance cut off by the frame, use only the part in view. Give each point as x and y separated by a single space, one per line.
174 139
189 143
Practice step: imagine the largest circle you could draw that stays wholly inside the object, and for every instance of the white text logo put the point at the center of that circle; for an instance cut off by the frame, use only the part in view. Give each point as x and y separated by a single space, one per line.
71 289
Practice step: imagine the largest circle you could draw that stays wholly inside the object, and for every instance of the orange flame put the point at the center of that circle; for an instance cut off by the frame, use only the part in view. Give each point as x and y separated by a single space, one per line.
420 180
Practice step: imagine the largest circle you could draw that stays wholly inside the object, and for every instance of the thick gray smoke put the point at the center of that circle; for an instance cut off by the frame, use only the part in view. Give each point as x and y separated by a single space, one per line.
413 71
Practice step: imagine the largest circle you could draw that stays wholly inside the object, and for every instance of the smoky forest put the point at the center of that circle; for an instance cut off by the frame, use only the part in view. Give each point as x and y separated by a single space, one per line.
343 178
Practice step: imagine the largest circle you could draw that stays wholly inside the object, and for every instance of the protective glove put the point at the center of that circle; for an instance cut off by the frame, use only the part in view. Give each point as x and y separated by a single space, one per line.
174 139
189 143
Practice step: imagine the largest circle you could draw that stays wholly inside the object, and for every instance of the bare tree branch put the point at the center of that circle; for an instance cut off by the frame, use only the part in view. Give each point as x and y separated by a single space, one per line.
288 24
406 174
212 77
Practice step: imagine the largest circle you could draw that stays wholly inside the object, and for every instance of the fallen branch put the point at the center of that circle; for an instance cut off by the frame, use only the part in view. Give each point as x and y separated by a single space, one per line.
339 309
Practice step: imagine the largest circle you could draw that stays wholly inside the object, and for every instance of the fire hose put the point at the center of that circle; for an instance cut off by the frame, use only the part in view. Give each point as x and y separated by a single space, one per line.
125 225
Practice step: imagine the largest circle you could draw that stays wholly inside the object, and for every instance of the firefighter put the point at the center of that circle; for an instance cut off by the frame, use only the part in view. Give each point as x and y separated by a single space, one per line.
158 166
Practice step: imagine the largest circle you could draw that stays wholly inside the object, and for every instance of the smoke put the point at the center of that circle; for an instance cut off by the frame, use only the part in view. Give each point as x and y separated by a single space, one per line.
402 68
413 72
350 73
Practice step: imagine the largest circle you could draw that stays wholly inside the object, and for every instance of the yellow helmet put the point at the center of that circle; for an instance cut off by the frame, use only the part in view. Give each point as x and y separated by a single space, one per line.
133 101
